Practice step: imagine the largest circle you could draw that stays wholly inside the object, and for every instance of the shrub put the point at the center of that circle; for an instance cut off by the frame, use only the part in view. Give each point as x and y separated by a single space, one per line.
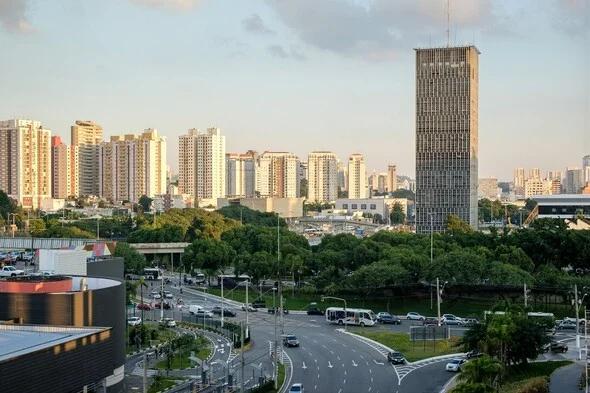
536 385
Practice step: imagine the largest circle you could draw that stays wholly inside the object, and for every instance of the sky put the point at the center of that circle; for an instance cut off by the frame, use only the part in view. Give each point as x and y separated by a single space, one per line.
301 75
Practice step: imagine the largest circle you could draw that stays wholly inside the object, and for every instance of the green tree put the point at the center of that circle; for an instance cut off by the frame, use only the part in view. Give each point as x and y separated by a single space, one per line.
209 255
145 202
133 260
456 225
7 205
397 215
484 370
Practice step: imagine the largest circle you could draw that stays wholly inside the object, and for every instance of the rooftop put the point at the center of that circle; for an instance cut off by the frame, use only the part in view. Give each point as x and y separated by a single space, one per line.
18 340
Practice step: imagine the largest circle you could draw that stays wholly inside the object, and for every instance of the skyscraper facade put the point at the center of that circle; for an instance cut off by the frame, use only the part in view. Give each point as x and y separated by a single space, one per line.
357 177
241 174
446 136
87 136
65 166
574 180
322 179
519 180
201 169
586 168
132 165
391 178
25 161
277 175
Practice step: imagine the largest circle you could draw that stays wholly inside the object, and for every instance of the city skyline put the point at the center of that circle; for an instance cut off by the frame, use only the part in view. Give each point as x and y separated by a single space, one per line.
173 88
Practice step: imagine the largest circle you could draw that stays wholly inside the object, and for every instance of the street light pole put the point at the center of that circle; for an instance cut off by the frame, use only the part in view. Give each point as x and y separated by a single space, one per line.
438 301
431 252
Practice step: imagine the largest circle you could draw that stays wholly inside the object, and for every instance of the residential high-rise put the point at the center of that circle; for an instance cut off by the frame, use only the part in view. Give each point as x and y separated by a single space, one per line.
357 177
202 164
241 174
574 180
87 136
322 178
488 188
391 178
25 161
65 166
132 165
342 176
519 180
536 186
586 168
535 173
446 136
276 175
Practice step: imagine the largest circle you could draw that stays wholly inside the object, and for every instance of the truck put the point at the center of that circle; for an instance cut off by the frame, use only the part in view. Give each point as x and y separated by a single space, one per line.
10 271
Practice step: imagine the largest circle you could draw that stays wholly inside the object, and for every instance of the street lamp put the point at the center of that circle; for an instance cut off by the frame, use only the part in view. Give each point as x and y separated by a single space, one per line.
13 223
340 299
438 297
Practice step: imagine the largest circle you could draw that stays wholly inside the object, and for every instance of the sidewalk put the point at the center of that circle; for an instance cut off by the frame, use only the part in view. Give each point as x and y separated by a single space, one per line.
566 379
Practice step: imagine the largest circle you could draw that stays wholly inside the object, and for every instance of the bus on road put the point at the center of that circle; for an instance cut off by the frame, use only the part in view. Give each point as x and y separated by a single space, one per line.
152 273
352 316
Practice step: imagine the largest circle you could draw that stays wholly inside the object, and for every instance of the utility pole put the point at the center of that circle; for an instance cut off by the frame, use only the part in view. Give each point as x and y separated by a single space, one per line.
525 296
162 298
242 356
577 321
276 365
222 299
247 304
431 253
438 300
144 372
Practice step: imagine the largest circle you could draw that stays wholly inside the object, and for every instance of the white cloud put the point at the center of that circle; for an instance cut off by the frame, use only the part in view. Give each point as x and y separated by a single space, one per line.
13 16
171 4
255 24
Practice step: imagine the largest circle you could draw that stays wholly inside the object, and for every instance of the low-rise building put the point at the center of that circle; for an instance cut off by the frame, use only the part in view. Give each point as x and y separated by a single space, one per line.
284 207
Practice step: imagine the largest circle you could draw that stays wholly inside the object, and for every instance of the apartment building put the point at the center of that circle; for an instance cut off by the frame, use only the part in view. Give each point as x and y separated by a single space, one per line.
277 175
357 177
65 167
241 174
87 136
322 178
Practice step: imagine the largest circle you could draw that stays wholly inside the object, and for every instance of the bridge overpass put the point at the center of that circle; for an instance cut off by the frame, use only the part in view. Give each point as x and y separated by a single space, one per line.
20 243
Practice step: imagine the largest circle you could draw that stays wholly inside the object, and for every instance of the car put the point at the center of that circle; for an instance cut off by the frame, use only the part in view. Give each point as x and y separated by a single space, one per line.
430 321
313 309
272 311
555 347
194 308
567 325
296 388
203 314
168 295
471 321
454 365
414 316
259 303
27 256
395 357
248 307
290 341
387 318
10 271
473 354
144 306
450 319
226 312
133 321
159 305
168 322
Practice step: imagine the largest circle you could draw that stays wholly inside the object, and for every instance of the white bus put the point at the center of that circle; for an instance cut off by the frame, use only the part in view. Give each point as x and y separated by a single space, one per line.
152 273
352 316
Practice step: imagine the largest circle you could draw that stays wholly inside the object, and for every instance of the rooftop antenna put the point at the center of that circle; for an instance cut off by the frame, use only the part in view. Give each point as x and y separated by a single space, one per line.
448 23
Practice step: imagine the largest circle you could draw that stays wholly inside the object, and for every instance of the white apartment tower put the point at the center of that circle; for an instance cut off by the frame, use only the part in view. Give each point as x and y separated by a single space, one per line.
322 178
357 177
201 164
87 136
25 161
65 166
132 165
277 175
241 174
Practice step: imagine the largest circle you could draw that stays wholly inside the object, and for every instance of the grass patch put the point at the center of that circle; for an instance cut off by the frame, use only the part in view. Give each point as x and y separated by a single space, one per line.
160 383
518 376
411 350
201 347
150 333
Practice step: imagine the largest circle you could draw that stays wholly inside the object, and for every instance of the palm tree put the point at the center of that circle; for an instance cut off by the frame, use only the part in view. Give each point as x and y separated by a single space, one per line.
484 371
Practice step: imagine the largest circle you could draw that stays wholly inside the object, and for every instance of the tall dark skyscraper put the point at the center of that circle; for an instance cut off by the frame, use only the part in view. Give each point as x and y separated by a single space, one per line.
447 82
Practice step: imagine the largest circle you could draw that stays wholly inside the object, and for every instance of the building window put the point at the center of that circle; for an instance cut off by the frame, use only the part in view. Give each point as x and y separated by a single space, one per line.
354 206
373 206
363 206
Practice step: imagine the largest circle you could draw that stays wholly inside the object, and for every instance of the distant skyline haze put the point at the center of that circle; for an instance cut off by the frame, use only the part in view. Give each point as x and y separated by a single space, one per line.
300 76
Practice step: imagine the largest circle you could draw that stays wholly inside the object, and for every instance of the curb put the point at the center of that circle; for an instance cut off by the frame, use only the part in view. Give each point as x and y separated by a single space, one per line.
286 384
388 349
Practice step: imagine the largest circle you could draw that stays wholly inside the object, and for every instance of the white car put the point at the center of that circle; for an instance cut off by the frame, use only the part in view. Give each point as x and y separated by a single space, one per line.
168 295
133 321
10 271
454 365
156 296
414 316
168 322
296 388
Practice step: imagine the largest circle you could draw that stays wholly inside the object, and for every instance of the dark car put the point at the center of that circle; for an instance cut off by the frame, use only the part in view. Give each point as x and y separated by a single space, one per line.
387 318
166 305
258 303
473 354
290 341
471 321
555 346
430 321
144 306
313 309
396 357
226 312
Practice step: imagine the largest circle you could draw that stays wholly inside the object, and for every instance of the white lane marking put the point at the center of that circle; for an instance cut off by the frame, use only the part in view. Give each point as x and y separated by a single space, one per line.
304 366
345 372
331 352
318 375
353 350
315 387
315 360
378 363
338 357
370 371
344 382
362 357
354 364
330 364
370 387
339 391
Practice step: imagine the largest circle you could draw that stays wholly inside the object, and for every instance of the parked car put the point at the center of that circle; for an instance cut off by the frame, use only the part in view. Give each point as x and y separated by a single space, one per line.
387 318
226 311
248 307
290 341
313 309
395 357
430 321
10 271
454 365
567 325
203 314
471 321
168 295
166 305
414 316
296 388
168 322
133 321
450 319
272 311
144 306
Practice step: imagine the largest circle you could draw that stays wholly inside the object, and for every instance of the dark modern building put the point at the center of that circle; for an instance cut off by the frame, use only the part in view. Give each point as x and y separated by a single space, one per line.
446 136
563 205
80 302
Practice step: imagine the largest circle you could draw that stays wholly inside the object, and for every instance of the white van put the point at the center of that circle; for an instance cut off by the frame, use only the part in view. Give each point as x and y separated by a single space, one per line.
195 309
